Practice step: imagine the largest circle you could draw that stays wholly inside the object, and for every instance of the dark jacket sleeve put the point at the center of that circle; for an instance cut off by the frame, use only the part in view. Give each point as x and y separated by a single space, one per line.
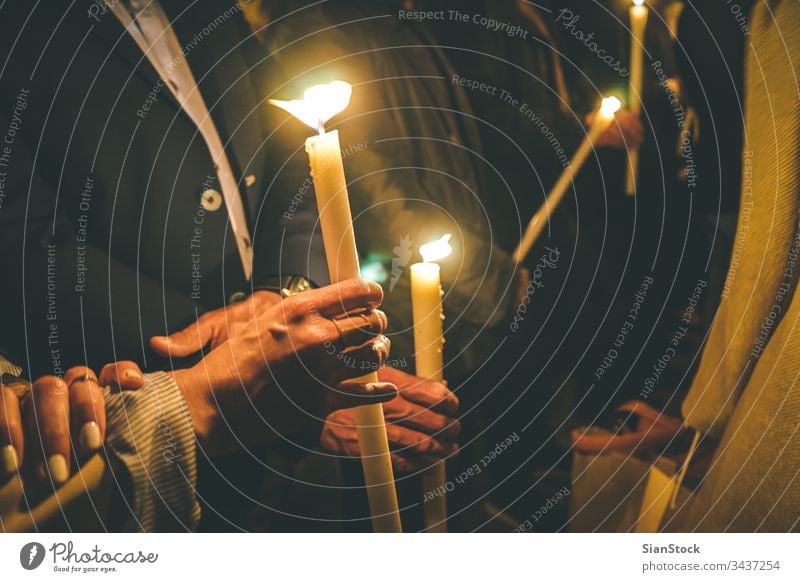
57 306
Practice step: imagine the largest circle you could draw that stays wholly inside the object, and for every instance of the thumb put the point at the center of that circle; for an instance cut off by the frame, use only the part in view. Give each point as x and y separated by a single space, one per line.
185 342
125 375
352 394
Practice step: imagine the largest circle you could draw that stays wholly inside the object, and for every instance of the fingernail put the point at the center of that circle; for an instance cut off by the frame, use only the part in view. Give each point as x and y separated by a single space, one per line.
90 438
56 468
380 388
10 460
382 346
132 375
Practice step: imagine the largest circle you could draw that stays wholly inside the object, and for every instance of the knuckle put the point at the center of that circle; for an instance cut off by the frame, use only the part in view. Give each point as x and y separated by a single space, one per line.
90 399
52 430
298 306
77 372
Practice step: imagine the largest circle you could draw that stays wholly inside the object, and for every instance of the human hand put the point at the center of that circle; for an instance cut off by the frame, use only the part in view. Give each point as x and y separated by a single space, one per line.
627 133
420 423
58 417
214 327
291 366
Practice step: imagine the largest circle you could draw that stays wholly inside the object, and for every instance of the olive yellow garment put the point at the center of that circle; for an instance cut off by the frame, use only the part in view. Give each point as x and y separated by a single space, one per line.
756 296
754 481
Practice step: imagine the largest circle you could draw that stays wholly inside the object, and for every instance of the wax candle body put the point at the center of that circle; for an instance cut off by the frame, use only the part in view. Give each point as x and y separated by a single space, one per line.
426 304
327 171
599 125
638 18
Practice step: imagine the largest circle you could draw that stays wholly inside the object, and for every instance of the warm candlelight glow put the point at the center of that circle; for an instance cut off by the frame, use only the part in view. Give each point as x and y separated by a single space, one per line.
435 250
426 306
602 120
319 103
610 106
638 18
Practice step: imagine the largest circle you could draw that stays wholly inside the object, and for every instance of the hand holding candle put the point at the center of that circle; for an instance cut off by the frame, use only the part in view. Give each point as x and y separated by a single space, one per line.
426 303
602 120
319 104
638 17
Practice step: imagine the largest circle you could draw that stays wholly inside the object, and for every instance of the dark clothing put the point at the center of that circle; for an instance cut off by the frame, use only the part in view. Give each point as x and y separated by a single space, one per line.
103 234
711 59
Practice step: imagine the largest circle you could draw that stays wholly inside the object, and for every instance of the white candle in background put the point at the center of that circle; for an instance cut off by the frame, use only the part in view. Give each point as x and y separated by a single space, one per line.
319 104
426 304
638 17
600 123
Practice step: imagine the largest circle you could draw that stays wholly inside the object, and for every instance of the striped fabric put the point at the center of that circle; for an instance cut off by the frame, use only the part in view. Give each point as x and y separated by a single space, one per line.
150 432
7 367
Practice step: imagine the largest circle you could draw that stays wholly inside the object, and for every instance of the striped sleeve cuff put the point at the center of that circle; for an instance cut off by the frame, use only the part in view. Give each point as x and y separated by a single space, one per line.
150 432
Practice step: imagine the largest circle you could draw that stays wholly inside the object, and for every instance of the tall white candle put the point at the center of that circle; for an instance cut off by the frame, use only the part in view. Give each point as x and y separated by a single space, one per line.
320 103
426 303
638 16
600 123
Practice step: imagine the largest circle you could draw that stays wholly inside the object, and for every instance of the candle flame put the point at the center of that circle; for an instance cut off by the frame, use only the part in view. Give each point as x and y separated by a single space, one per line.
610 106
435 250
638 2
319 103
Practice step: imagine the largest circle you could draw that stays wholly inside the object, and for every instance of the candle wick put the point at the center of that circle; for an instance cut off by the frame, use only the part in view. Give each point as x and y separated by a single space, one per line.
321 127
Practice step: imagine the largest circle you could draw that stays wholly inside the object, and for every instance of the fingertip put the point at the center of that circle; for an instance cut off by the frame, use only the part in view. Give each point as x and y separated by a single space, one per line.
160 345
130 375
132 379
90 438
56 468
381 389
376 290
9 460
126 375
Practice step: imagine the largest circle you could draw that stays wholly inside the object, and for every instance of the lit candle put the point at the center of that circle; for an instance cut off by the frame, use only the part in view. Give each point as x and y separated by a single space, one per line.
638 17
600 123
319 104
426 304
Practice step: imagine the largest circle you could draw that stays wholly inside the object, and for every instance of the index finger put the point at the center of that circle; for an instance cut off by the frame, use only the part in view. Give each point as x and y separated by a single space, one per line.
46 420
343 297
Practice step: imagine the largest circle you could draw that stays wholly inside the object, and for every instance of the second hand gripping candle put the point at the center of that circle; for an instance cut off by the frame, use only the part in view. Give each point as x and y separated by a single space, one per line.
319 104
